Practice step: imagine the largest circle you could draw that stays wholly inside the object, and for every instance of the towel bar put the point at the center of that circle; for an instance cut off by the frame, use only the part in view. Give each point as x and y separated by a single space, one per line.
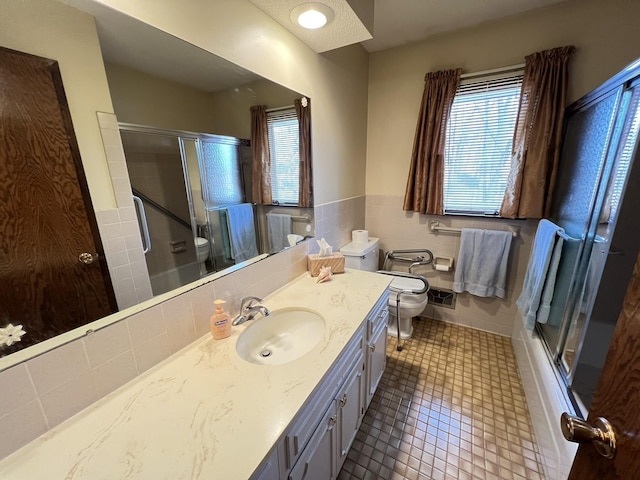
435 227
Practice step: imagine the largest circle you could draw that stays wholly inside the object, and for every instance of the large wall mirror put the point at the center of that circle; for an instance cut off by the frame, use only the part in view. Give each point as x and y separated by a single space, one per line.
186 187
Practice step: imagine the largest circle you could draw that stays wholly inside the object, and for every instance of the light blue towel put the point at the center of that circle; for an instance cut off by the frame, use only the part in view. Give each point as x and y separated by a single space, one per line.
242 232
539 281
482 262
550 283
278 227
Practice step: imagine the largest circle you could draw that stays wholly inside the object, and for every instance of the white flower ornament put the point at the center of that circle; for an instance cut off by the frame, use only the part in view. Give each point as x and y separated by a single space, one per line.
11 334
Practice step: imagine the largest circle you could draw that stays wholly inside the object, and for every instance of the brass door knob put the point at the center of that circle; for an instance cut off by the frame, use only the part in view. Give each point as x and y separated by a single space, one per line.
601 434
87 258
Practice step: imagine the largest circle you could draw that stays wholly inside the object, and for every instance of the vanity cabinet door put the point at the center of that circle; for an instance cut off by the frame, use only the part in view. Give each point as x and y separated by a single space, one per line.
270 469
376 360
350 404
318 459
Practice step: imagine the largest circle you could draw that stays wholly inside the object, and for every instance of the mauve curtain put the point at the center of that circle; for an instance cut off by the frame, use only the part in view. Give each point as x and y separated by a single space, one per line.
424 193
261 171
303 112
538 135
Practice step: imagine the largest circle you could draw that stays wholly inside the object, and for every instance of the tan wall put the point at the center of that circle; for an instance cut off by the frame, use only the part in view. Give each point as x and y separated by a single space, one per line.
145 99
605 33
336 82
231 108
48 29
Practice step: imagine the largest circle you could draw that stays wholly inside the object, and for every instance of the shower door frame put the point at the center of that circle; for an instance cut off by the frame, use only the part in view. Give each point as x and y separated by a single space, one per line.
620 85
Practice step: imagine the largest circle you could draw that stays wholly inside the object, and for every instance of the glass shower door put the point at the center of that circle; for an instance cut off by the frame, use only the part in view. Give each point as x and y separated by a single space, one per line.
588 133
155 167
596 313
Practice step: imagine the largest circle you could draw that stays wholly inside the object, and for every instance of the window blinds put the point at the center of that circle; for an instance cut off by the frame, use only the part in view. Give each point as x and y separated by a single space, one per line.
479 143
285 159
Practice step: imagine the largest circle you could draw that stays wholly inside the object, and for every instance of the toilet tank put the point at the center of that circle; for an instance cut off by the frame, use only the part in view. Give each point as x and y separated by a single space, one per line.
361 256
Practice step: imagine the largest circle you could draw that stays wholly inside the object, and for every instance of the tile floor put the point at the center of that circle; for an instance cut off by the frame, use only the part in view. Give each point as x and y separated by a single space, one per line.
450 406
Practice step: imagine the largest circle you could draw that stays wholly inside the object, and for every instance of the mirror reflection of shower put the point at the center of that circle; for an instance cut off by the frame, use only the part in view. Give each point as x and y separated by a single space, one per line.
160 186
193 202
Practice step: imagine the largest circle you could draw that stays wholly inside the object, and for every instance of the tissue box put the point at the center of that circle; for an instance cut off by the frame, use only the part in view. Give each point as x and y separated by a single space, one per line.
315 263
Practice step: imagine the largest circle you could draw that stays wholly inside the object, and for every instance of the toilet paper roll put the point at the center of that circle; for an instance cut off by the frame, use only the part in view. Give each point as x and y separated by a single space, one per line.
360 236
443 268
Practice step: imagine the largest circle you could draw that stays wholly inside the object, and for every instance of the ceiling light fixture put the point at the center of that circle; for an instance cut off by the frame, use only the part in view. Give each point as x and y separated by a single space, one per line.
312 15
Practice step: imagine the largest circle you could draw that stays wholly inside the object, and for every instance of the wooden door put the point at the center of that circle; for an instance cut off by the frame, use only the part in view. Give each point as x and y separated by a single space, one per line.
46 216
617 398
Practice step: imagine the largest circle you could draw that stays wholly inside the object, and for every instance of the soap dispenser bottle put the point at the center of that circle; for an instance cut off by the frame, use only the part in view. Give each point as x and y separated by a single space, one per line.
220 322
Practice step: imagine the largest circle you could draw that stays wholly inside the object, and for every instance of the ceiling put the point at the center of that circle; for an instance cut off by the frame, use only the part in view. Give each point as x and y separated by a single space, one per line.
352 22
134 44
395 22
398 22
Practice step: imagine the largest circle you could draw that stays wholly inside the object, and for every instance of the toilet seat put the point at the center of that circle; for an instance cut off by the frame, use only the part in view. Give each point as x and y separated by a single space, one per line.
411 304
400 284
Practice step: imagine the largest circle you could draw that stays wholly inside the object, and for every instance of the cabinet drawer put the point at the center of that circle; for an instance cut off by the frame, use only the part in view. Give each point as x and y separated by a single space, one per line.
307 419
378 314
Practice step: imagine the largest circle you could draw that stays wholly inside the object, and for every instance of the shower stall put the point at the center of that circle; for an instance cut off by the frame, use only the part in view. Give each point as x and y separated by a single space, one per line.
596 202
177 178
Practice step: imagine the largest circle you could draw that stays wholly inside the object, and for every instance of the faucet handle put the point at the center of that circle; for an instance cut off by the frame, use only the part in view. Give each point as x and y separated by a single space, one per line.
248 301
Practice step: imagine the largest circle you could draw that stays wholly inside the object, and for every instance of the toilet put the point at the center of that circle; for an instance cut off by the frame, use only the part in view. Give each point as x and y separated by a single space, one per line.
364 256
202 253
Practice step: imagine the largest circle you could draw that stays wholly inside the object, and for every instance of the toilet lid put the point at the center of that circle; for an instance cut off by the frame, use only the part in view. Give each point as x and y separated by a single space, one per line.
201 242
402 283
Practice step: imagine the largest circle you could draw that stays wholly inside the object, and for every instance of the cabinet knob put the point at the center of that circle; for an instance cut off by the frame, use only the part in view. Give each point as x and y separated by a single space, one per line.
343 401
332 420
372 348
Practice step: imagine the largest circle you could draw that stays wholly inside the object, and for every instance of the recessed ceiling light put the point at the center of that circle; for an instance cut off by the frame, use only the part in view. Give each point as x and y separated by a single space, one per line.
312 15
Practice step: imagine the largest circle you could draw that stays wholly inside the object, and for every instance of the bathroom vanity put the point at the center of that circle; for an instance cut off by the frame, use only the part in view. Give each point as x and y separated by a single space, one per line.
206 413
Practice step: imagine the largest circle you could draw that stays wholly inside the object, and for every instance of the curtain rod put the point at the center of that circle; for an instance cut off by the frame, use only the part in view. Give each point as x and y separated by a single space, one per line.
276 109
482 73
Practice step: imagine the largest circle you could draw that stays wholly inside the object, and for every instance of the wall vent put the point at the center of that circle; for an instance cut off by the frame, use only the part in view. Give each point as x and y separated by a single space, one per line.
441 297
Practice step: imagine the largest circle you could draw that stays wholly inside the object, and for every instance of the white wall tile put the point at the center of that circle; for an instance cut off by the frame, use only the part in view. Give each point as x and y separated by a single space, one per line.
58 366
107 120
146 325
66 400
202 307
178 319
152 351
21 426
114 373
107 343
17 389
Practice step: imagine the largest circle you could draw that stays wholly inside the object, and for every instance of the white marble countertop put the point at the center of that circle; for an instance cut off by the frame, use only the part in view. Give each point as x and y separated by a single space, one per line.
204 413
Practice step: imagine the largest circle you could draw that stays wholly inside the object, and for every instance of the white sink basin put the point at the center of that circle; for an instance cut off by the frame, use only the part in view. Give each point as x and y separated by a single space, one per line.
283 336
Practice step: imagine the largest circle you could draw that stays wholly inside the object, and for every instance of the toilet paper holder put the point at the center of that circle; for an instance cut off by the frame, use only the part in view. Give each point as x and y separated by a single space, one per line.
443 264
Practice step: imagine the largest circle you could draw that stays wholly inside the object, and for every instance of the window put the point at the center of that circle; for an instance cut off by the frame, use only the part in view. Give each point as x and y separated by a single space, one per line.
285 159
479 143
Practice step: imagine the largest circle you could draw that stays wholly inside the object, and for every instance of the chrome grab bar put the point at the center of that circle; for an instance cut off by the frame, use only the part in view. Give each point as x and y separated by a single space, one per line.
424 289
143 224
424 281
423 257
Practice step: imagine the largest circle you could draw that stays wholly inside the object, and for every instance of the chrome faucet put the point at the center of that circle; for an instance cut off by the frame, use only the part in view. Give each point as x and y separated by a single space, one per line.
249 308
